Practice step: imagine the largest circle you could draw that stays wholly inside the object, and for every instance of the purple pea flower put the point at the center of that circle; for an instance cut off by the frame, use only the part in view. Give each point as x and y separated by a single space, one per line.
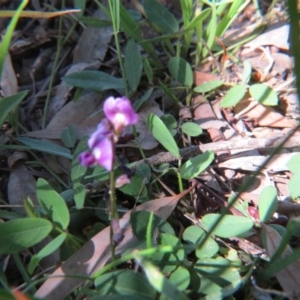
120 113
101 147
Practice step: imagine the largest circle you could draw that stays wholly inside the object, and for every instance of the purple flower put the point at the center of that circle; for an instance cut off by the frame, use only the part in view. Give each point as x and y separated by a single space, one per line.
120 113
101 148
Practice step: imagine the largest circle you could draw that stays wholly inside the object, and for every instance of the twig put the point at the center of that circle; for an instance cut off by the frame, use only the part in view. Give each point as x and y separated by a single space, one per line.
247 143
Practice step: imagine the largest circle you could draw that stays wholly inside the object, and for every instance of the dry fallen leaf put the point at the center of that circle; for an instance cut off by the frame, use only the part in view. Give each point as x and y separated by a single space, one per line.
289 277
95 253
21 185
9 82
93 42
276 35
264 115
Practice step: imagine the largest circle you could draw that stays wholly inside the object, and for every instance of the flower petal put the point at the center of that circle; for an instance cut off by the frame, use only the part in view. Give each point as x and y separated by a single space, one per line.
119 112
87 159
103 153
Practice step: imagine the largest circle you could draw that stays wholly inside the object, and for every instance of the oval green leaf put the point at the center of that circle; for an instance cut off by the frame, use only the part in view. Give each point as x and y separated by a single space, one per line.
233 96
53 204
194 235
294 163
125 283
208 86
94 80
160 16
191 129
267 203
47 250
229 225
196 165
20 234
181 71
263 94
69 136
180 278
162 134
294 186
133 65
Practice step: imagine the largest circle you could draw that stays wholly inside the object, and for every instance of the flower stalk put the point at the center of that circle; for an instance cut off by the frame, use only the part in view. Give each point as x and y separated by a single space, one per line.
119 113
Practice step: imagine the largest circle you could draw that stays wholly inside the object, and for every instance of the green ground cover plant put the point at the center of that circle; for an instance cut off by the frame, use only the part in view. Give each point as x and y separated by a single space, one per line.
140 250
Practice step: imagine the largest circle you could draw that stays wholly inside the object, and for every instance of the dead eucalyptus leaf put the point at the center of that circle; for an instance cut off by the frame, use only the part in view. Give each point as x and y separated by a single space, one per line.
95 253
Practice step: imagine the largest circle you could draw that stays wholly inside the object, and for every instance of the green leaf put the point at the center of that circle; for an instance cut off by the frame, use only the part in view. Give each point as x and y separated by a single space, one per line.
8 104
169 121
159 281
68 136
194 235
125 283
196 165
78 171
52 203
168 262
144 171
294 163
191 129
133 65
148 70
198 19
160 16
20 234
218 278
267 203
79 195
180 278
263 94
94 80
137 104
208 86
136 188
294 186
162 134
246 72
139 221
45 146
229 226
181 71
46 251
234 96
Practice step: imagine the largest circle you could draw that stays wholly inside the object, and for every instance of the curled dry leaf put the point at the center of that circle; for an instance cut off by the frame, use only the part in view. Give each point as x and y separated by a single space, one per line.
289 277
95 253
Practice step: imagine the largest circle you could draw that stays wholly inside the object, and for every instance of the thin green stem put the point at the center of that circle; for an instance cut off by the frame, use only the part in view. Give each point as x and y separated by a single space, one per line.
55 63
179 177
114 7
23 271
113 208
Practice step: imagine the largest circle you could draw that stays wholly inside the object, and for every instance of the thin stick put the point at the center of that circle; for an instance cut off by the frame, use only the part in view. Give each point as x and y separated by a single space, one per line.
189 152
